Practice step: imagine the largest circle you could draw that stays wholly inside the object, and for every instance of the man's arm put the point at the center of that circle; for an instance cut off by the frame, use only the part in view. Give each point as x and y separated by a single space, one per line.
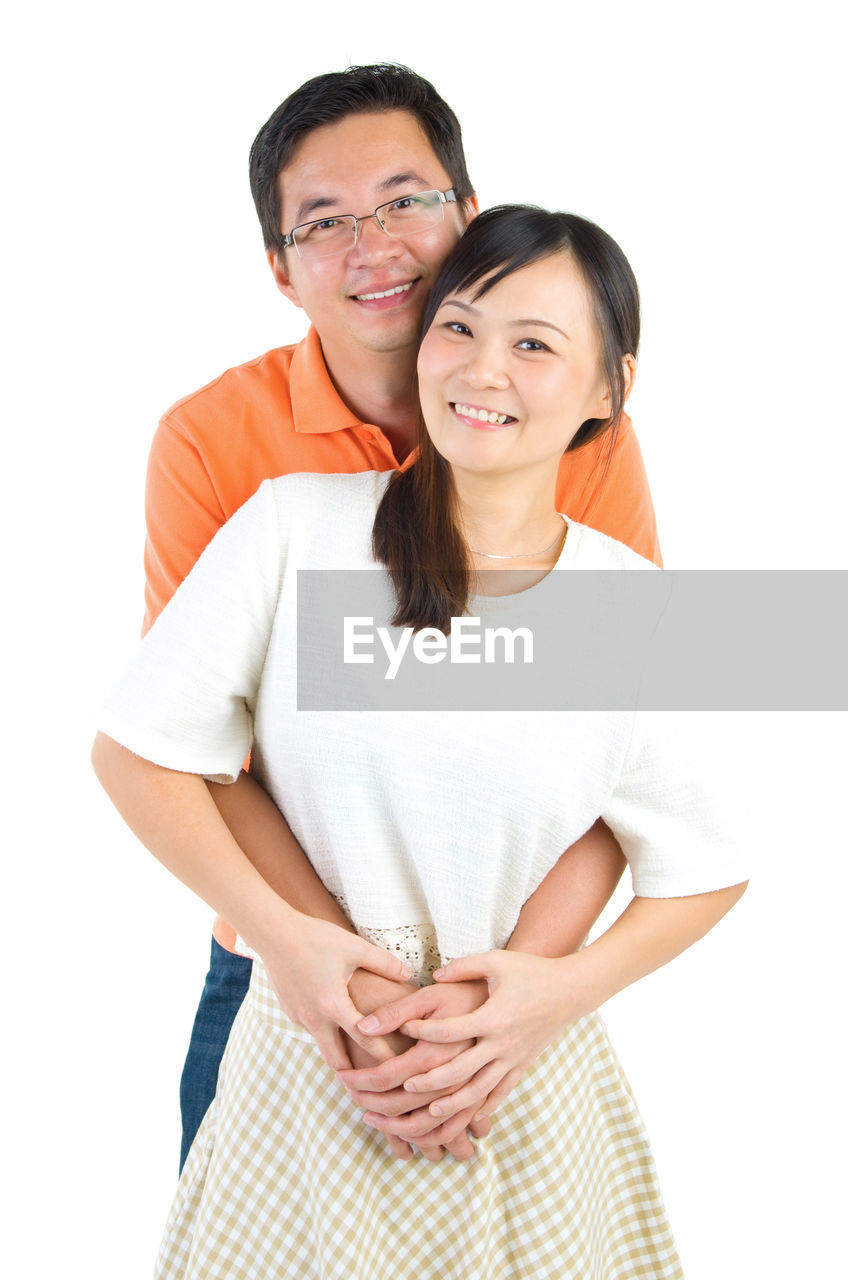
553 922
182 513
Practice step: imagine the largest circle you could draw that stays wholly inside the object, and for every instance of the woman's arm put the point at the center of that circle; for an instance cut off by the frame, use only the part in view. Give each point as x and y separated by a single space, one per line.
309 961
532 999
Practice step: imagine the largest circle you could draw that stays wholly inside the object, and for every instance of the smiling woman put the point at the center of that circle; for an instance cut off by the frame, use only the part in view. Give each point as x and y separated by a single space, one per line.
531 336
540 377
431 830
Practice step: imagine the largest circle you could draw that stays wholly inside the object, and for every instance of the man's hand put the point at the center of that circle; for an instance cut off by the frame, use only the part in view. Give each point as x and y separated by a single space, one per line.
529 1002
379 1088
372 992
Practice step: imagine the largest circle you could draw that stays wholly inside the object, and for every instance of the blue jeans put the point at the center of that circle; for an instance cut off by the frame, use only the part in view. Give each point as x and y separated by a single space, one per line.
223 992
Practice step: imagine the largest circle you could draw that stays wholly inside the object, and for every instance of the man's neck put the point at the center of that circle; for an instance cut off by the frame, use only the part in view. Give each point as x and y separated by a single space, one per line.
381 388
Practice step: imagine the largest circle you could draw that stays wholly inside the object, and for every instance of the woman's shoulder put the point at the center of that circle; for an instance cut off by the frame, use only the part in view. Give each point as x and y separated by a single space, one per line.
327 503
320 519
332 489
591 549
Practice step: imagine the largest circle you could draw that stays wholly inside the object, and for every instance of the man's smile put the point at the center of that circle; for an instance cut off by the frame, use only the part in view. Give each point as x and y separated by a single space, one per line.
390 292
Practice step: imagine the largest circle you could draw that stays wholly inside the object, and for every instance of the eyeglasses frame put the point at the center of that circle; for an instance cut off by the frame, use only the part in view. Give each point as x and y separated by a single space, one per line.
445 197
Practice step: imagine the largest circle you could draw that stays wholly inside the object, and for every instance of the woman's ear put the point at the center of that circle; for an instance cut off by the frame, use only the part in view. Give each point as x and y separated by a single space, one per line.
628 366
277 263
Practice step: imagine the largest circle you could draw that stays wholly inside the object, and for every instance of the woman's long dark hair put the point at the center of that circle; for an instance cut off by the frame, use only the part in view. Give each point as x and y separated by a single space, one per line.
416 534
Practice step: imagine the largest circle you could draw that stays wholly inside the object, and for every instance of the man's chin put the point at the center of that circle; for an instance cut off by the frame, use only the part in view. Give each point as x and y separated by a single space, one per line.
391 338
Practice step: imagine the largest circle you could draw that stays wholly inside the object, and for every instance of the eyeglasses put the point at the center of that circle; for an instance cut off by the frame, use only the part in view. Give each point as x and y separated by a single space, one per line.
398 218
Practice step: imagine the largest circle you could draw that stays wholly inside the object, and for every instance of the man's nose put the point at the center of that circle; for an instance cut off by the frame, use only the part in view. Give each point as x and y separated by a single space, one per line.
373 243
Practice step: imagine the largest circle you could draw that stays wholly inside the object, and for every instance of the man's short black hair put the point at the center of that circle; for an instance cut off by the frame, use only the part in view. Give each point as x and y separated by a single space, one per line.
385 86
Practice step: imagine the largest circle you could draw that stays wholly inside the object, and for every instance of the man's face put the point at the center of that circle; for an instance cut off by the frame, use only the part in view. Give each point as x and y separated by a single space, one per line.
354 166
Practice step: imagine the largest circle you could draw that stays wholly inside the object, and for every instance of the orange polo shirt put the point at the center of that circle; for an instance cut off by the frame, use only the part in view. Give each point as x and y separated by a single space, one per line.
281 414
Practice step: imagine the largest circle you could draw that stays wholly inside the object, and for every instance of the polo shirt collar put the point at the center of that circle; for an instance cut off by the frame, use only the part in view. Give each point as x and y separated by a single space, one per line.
316 405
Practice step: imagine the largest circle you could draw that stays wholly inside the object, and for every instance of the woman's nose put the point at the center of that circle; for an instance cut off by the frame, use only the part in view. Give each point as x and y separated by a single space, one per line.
485 368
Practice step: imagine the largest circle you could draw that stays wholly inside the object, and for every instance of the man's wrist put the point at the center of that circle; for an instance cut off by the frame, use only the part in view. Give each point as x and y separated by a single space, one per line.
369 991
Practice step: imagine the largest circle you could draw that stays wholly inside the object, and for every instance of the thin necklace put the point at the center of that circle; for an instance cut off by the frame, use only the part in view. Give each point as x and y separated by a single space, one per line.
524 555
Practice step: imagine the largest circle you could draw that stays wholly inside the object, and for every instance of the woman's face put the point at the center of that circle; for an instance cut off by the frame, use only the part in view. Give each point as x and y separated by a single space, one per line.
506 380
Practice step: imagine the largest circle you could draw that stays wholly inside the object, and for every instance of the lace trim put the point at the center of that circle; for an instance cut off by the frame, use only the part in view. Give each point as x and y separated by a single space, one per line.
414 944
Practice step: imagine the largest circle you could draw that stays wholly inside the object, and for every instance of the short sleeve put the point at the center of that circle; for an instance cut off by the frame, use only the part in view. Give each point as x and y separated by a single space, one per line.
186 700
678 820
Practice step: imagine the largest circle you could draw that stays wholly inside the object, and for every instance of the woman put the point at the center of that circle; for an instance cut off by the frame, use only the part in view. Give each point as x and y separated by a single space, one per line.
431 829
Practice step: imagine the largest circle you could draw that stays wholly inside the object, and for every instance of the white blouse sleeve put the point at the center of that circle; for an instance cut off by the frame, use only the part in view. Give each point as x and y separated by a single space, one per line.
187 698
681 833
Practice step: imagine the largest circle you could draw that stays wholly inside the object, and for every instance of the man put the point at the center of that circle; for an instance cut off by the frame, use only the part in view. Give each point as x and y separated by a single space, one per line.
361 188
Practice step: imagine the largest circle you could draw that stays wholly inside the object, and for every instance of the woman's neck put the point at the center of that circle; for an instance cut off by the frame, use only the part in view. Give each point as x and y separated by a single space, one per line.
511 527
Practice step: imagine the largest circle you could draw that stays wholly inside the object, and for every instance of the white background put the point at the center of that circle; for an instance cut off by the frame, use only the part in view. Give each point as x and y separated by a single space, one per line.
708 140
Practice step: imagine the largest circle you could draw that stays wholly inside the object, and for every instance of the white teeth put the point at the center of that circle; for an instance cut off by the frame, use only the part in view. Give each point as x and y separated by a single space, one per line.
387 293
482 415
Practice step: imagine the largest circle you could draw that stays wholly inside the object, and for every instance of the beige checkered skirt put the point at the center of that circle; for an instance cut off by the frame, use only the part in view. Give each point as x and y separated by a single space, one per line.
284 1180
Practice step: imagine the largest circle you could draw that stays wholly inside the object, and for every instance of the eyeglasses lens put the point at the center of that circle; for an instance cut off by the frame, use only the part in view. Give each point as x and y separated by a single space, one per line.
399 218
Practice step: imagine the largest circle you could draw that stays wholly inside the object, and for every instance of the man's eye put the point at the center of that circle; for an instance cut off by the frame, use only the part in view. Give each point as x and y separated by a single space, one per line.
406 203
325 229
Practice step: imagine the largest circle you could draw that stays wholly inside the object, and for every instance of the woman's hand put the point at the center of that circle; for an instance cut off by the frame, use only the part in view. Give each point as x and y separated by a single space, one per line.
310 969
530 1001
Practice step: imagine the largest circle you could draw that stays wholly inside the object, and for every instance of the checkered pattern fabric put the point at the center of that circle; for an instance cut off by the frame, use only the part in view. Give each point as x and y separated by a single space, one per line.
285 1181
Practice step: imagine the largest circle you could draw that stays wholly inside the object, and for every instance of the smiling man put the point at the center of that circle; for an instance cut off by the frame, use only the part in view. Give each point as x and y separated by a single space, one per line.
361 188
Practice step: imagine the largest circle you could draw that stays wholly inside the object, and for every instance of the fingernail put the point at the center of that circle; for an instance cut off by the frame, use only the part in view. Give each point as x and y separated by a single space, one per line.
436 1110
370 1023
406 971
481 1115
439 973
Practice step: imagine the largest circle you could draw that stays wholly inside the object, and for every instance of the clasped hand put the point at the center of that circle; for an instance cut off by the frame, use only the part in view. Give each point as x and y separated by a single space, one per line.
429 1064
476 1032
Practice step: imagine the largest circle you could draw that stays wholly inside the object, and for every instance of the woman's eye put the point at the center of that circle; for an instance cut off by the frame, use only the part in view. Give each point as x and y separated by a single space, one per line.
532 344
456 326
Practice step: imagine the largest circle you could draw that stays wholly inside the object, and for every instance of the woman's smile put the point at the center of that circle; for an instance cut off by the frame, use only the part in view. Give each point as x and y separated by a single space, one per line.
482 419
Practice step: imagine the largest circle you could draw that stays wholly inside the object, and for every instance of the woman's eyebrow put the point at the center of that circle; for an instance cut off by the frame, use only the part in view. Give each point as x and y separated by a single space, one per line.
472 311
546 324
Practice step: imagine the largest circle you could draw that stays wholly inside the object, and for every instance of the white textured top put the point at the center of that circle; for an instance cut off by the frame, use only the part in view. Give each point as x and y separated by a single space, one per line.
442 819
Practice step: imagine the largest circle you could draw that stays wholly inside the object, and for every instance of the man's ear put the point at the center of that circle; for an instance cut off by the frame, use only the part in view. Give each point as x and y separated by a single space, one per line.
277 263
470 207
